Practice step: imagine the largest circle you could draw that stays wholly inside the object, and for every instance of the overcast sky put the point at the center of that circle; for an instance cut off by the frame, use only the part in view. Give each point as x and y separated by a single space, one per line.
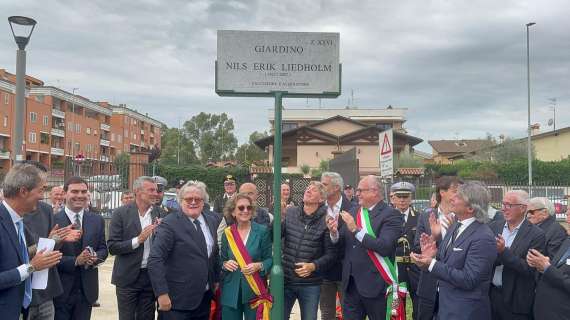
458 66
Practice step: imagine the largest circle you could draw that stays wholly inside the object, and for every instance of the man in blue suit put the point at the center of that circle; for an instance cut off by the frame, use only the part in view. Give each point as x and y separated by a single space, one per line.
77 269
363 288
464 262
23 187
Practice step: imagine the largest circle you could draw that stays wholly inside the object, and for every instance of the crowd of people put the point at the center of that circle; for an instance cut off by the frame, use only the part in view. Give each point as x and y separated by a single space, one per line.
347 251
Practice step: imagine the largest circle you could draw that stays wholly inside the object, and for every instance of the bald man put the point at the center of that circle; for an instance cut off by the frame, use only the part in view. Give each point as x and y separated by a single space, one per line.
262 216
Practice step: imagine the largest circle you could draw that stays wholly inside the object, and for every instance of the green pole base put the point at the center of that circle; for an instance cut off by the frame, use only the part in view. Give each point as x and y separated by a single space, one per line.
278 293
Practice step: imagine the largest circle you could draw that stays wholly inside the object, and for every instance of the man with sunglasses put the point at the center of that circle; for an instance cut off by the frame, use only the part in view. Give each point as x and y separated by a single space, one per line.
407 271
513 283
541 213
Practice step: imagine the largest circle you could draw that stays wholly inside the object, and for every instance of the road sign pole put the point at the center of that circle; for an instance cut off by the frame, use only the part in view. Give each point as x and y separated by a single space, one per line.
277 282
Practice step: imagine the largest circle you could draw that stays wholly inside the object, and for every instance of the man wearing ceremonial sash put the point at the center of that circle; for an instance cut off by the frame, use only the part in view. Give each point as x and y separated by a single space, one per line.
246 257
369 236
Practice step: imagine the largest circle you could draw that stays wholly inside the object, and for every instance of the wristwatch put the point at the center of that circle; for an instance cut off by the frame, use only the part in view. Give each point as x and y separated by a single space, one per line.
30 268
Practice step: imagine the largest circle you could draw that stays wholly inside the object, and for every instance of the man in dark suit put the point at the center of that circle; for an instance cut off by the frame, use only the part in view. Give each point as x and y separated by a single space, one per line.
184 264
363 287
512 291
541 213
553 288
23 188
77 269
130 237
407 271
463 266
349 194
446 188
336 203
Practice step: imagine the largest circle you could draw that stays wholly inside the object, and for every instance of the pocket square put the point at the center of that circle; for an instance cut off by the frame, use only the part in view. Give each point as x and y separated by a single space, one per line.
457 249
568 262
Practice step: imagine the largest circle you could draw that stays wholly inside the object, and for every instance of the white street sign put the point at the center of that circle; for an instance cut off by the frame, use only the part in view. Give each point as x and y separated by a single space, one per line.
386 153
262 62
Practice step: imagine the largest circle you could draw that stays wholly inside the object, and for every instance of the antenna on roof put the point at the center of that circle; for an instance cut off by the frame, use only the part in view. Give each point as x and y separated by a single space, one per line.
352 98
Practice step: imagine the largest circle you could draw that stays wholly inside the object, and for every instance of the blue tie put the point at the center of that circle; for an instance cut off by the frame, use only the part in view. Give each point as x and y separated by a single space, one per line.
564 257
26 258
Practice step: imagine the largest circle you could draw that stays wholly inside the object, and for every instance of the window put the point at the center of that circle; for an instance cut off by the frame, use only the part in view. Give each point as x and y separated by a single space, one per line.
126 133
70 126
6 98
77 128
39 98
94 132
384 126
46 121
126 120
112 137
288 126
88 130
5 121
32 137
77 146
134 136
44 138
119 138
33 117
68 145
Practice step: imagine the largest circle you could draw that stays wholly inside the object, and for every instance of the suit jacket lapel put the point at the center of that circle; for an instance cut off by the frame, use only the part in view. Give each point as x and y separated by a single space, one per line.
86 225
466 233
11 230
561 251
134 213
521 235
442 250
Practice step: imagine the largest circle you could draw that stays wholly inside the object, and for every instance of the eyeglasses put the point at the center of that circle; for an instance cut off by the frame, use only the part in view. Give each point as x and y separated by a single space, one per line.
511 205
359 190
535 210
242 208
193 200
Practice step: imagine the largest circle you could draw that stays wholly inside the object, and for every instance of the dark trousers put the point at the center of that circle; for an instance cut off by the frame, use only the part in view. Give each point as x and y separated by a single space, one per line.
200 313
357 307
500 310
424 309
75 307
136 302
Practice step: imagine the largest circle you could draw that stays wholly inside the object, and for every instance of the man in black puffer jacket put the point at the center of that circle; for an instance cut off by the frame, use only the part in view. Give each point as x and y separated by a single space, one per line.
307 251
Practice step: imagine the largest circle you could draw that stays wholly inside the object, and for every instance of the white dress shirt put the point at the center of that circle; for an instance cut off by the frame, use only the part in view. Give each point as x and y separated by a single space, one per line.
509 237
334 211
206 232
71 215
22 269
145 220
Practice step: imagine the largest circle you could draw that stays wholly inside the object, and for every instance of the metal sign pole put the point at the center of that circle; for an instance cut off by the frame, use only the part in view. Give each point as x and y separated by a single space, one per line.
277 281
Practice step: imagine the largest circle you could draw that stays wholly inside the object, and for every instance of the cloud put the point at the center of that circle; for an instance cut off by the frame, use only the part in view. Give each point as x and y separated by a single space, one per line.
458 66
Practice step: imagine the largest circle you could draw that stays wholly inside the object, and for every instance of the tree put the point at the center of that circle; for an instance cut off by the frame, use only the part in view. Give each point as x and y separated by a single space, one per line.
177 149
249 152
212 136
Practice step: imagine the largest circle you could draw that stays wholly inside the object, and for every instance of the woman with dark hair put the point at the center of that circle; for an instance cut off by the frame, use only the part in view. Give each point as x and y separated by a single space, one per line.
246 256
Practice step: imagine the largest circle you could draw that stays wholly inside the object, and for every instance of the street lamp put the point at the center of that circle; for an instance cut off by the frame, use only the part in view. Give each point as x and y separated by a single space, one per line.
22 28
529 143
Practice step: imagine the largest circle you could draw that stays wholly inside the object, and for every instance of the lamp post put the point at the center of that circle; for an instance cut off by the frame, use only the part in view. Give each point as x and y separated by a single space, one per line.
529 143
22 28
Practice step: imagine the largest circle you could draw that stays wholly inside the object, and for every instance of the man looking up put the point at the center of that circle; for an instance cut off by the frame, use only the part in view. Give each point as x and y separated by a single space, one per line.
130 237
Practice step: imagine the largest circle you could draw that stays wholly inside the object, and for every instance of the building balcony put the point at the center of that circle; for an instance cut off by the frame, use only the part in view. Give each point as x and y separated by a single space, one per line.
56 151
104 158
105 143
58 113
143 144
57 132
105 127
4 155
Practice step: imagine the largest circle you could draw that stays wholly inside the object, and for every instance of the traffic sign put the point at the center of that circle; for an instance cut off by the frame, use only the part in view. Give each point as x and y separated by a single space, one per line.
386 153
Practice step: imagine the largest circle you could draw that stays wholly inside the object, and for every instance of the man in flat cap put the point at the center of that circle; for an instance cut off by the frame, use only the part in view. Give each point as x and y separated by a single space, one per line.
230 188
407 271
349 193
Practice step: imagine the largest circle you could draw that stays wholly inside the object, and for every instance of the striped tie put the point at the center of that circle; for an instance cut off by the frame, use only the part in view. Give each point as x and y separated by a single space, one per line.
26 258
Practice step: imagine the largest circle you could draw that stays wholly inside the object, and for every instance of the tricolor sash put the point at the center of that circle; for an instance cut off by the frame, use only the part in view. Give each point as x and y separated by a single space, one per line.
262 300
395 292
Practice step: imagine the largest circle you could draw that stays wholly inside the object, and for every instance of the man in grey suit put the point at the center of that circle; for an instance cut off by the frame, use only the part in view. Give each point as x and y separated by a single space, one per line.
463 265
130 238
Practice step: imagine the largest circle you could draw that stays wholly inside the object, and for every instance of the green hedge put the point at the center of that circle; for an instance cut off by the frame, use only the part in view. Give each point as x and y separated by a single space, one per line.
212 177
516 171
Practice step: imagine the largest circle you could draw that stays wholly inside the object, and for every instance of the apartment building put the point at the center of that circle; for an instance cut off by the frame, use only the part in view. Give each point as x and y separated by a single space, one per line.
61 126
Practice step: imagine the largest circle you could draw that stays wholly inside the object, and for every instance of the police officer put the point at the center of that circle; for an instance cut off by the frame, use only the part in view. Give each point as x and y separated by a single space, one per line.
230 188
401 196
161 184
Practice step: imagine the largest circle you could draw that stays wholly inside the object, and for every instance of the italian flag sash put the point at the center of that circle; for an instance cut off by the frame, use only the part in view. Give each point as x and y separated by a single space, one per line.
396 292
262 300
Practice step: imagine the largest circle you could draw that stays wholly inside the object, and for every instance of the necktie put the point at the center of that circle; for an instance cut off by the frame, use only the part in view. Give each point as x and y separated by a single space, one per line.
77 222
201 238
26 258
453 237
564 257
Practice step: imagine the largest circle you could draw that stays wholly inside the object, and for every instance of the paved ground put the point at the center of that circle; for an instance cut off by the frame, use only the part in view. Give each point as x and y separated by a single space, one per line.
108 300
